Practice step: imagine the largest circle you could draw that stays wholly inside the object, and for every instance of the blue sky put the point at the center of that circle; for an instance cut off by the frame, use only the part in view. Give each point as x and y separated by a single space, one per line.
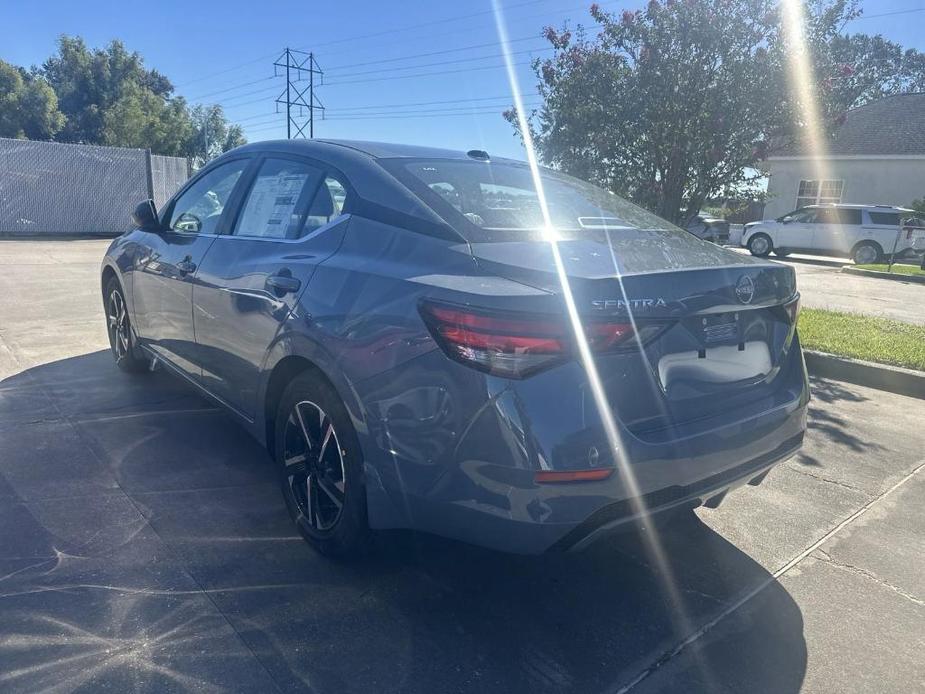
373 54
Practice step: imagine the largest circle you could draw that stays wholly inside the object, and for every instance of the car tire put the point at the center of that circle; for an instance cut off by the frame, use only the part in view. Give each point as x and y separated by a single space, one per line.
781 252
324 491
760 245
867 253
122 341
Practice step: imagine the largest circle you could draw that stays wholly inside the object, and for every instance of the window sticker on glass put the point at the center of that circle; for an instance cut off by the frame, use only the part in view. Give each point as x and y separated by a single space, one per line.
271 206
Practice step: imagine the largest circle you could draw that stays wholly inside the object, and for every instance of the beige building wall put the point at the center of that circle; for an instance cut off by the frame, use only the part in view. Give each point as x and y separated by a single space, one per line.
868 180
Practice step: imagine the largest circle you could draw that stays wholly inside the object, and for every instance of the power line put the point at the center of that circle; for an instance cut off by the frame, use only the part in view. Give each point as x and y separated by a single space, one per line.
407 67
427 74
423 24
444 62
458 111
360 110
226 70
399 30
424 116
223 91
887 14
431 103
490 44
380 45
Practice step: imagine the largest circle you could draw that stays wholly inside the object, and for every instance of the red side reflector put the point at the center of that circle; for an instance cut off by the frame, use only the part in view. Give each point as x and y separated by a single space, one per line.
595 475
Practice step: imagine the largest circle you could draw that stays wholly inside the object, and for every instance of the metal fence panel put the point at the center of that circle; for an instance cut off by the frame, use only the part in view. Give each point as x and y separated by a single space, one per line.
167 175
56 188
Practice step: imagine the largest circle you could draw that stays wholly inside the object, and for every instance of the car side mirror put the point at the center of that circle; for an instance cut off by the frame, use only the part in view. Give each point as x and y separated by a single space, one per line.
145 216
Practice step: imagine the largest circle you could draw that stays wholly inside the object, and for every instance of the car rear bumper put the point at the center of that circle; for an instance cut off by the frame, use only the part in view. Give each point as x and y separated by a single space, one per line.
522 523
475 480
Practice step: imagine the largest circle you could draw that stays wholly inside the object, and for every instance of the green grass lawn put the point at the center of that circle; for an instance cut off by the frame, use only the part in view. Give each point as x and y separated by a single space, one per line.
897 269
863 337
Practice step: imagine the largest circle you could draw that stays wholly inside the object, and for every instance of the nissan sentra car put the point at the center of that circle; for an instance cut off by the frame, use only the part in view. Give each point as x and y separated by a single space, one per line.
442 341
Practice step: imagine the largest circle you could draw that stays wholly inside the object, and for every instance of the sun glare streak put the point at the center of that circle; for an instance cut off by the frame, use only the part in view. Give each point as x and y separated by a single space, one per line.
803 86
611 431
650 540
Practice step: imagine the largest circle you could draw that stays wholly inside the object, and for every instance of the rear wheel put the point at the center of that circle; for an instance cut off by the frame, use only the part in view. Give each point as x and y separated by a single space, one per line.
320 467
125 351
867 253
760 245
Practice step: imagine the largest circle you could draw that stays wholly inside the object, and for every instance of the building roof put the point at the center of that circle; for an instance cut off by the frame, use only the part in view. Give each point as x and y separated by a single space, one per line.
892 126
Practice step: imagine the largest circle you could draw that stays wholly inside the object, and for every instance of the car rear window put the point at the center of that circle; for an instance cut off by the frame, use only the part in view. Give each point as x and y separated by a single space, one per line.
484 199
891 218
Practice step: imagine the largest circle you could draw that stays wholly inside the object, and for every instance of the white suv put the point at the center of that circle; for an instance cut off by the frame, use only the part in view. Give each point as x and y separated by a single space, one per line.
865 233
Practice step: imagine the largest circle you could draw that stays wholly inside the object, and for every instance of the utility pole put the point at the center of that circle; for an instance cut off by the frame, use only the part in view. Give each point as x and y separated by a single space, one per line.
300 66
205 137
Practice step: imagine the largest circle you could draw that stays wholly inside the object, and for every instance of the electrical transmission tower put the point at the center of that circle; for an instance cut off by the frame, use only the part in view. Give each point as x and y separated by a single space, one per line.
299 96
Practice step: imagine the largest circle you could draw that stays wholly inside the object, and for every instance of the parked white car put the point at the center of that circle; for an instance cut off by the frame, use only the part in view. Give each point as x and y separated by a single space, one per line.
865 233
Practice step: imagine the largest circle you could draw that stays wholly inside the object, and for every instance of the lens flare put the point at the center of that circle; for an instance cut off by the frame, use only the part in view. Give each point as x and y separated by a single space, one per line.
803 87
651 542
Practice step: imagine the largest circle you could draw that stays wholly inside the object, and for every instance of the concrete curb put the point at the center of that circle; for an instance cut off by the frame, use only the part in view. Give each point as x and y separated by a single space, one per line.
864 373
883 275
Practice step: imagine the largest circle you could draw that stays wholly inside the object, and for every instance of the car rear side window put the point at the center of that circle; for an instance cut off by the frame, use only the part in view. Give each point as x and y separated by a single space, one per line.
278 201
890 218
847 216
838 216
199 207
328 204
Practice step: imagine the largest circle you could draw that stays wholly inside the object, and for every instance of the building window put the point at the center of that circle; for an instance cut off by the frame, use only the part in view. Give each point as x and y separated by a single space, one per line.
819 192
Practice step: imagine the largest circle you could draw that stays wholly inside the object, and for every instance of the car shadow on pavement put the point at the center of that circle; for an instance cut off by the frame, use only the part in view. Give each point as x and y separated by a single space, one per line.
834 428
144 545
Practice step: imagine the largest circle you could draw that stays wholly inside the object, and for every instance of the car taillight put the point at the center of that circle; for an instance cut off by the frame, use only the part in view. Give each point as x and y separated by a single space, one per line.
514 345
793 309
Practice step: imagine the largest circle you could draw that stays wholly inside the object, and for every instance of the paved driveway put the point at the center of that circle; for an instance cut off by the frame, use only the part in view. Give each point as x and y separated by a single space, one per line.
822 285
144 546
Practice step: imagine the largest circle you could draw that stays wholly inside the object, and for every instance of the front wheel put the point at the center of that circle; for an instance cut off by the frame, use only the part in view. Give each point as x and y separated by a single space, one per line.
760 245
126 353
320 467
867 253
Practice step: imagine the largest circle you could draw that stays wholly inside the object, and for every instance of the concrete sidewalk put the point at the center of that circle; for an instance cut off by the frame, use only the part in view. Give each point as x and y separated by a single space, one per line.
144 545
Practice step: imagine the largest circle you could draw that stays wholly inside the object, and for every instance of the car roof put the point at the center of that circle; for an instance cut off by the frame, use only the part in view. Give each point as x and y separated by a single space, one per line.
850 206
374 150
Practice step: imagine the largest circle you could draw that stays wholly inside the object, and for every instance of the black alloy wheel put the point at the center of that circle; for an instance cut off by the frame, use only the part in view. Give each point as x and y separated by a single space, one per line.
127 355
320 466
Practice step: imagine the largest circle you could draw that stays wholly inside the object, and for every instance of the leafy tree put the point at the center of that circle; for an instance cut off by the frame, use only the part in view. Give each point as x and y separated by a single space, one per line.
859 68
676 103
89 82
28 106
211 134
109 97
140 118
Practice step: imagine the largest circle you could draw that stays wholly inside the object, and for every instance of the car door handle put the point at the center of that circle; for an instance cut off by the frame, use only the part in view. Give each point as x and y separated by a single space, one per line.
186 266
283 284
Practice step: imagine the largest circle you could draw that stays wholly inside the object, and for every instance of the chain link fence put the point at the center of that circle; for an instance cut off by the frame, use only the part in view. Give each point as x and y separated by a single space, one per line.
55 188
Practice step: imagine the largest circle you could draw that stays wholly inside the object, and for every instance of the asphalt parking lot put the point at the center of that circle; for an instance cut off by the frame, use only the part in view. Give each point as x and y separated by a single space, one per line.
144 546
823 285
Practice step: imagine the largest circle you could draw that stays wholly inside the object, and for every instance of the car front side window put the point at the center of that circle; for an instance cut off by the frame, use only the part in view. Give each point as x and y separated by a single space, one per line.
199 208
277 203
